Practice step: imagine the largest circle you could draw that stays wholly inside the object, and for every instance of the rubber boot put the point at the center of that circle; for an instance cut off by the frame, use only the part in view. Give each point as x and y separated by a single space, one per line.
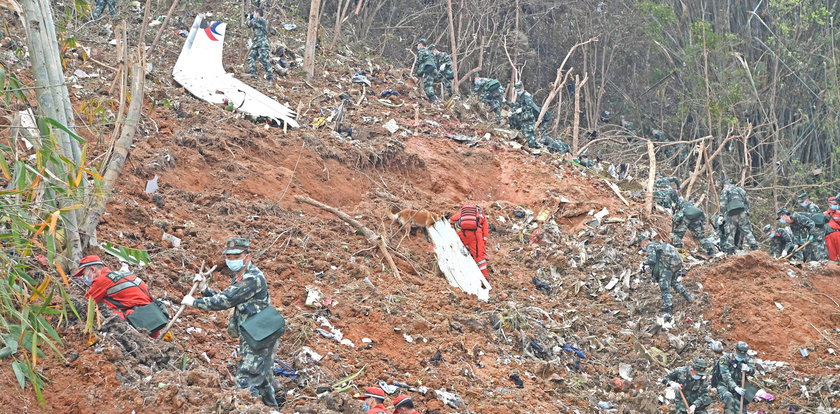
688 297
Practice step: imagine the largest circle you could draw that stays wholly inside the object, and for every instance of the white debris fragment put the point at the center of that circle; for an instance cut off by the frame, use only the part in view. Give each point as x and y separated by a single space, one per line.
391 126
779 305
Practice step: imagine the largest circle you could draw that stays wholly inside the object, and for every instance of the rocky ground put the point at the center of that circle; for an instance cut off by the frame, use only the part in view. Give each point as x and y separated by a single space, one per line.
564 276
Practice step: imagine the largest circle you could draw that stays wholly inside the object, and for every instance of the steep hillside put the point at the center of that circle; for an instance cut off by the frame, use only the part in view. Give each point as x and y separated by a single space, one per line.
568 313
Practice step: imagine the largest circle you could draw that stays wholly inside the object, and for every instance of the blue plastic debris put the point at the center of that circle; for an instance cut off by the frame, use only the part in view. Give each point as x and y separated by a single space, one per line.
285 370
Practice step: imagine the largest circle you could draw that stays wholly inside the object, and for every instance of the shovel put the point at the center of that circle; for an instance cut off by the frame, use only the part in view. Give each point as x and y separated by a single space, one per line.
683 398
797 250
181 309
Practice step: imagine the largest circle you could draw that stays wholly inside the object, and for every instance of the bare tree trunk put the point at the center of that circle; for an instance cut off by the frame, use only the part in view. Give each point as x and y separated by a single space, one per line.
453 41
311 38
514 75
557 79
576 125
163 26
121 147
651 177
53 100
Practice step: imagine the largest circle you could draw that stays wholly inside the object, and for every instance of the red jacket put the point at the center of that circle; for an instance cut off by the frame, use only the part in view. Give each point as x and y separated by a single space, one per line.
833 218
120 291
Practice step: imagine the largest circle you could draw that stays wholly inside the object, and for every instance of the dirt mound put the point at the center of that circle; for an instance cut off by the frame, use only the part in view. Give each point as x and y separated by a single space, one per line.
775 307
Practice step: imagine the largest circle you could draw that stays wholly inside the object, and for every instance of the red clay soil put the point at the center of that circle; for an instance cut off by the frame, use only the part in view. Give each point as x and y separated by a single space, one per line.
222 176
744 291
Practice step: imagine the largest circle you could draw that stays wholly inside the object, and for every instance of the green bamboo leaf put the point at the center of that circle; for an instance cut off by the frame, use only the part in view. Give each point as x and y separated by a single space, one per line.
59 125
21 377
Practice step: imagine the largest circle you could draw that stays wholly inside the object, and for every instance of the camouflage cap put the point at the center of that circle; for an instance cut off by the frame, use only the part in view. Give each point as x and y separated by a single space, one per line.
237 245
742 347
767 228
802 196
422 41
700 365
432 46
518 85
782 212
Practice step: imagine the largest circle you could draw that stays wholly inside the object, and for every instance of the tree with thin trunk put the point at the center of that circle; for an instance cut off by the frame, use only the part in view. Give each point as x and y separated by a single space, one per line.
311 38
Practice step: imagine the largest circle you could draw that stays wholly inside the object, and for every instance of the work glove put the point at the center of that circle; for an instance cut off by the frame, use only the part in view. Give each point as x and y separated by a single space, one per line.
441 67
674 385
691 409
739 390
188 300
810 238
202 282
746 368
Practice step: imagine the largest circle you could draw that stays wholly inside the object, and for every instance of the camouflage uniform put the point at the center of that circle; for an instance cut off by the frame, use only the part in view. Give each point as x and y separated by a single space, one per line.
557 146
696 391
248 295
733 202
664 194
782 244
665 264
527 112
681 223
491 93
427 69
259 47
100 7
803 229
730 377
816 249
444 67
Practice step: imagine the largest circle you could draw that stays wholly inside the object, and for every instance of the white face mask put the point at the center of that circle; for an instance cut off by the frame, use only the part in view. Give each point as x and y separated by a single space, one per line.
88 280
235 265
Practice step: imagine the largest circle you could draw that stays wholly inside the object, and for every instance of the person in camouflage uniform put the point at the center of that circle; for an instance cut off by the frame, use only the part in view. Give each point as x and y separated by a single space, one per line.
781 242
100 7
490 92
736 207
665 265
693 382
730 371
803 230
247 295
444 68
259 45
556 146
817 248
664 194
427 69
525 111
689 217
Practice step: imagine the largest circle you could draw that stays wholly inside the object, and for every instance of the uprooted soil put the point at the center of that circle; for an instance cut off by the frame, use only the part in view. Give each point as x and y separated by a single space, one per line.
221 176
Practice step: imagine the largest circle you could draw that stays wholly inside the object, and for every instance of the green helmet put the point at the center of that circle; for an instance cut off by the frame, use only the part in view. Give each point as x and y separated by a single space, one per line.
700 366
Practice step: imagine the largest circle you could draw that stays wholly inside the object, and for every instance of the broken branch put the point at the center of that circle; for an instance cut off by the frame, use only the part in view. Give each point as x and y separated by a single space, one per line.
368 233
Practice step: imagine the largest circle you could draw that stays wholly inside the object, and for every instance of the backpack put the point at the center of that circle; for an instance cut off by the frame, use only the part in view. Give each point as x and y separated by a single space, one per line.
471 217
716 378
820 219
151 317
692 213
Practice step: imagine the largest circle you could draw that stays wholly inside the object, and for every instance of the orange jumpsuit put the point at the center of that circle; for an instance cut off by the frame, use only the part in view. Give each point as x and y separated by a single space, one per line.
474 236
832 240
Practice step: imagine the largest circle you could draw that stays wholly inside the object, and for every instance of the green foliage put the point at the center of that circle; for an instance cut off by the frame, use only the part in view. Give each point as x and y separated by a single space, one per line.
125 254
661 15
33 291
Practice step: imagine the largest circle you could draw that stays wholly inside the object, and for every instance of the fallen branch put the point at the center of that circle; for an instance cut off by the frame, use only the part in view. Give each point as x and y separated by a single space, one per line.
616 191
181 309
369 234
821 334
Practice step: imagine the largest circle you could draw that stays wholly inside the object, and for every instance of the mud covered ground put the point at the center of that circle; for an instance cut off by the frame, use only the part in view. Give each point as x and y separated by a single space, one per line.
222 176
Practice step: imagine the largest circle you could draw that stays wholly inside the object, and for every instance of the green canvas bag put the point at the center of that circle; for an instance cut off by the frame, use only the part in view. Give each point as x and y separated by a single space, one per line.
263 328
